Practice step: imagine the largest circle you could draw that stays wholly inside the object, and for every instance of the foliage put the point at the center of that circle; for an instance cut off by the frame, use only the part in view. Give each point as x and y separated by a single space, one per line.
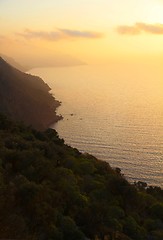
50 191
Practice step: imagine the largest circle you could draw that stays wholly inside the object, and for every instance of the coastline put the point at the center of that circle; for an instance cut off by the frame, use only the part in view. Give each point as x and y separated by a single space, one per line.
139 183
52 190
27 98
106 143
53 105
57 117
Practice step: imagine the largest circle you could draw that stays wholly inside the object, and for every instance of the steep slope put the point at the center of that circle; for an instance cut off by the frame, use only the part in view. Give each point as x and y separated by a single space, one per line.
15 64
25 97
49 191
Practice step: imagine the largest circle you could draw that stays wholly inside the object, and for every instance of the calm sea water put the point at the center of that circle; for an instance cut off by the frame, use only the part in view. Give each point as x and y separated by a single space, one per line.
114 113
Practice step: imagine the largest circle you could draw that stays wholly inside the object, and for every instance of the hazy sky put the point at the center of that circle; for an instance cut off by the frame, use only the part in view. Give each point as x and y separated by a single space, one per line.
90 30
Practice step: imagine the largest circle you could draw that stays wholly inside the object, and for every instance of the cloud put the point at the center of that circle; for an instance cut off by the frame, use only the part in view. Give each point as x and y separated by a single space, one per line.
130 30
151 28
140 27
81 34
59 34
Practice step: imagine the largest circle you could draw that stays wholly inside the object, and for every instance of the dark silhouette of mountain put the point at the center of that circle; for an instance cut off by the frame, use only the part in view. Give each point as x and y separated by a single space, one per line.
25 97
49 190
15 64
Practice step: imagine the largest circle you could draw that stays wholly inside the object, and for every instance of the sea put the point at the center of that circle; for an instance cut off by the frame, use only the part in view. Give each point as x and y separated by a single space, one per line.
114 112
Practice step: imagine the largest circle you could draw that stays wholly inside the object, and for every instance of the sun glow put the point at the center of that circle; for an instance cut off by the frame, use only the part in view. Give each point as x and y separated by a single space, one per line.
86 30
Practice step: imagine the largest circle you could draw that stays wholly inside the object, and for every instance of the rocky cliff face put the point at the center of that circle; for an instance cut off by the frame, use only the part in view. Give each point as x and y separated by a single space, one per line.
25 97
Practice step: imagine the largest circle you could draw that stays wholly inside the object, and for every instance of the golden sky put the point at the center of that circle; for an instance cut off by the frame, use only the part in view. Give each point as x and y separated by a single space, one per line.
94 31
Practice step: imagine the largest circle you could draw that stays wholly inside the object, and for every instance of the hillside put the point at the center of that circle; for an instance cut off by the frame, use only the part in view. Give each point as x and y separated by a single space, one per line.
50 191
15 64
26 98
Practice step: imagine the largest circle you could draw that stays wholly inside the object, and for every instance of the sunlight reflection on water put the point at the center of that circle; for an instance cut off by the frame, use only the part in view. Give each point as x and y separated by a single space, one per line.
113 116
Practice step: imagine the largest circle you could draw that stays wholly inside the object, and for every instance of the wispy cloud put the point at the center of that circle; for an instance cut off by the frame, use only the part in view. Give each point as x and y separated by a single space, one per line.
151 28
141 27
130 30
50 36
81 34
59 34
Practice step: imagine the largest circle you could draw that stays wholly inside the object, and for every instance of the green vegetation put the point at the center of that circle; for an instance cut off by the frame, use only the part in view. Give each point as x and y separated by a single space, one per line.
50 191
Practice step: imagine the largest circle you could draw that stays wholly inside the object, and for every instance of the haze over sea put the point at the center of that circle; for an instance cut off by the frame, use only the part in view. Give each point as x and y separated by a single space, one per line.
116 117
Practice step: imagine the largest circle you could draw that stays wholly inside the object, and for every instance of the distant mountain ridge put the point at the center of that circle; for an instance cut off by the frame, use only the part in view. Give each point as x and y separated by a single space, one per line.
46 61
25 97
14 63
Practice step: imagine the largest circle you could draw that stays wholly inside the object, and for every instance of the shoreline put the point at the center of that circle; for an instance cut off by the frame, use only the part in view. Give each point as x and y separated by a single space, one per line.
66 111
27 98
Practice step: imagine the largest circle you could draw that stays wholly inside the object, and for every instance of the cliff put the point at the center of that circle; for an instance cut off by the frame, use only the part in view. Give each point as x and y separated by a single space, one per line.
26 98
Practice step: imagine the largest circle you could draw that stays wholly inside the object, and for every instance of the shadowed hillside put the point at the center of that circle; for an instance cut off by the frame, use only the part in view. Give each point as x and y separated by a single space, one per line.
15 64
25 97
50 191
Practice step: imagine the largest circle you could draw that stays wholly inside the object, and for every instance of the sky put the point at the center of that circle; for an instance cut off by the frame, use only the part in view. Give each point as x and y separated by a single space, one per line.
92 31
